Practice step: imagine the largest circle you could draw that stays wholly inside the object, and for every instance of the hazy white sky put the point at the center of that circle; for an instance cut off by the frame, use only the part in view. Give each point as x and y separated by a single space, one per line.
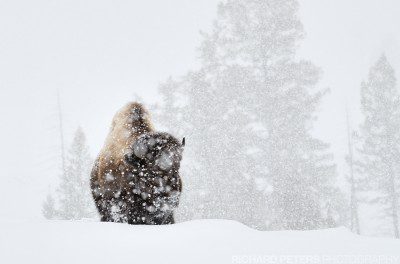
100 53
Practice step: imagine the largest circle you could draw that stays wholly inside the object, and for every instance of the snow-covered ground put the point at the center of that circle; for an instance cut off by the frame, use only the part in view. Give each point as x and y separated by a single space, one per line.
202 241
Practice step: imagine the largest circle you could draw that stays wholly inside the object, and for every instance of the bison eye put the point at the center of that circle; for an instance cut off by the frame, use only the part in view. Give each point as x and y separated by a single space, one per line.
165 161
149 156
140 149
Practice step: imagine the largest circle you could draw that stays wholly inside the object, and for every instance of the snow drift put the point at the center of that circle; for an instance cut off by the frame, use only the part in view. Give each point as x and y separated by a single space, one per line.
201 241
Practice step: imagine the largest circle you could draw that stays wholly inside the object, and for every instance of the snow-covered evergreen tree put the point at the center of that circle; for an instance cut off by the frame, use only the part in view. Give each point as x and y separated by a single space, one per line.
380 134
73 200
48 207
247 114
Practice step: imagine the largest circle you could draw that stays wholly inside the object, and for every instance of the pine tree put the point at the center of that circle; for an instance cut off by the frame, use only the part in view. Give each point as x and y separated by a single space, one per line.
247 114
380 134
74 191
48 208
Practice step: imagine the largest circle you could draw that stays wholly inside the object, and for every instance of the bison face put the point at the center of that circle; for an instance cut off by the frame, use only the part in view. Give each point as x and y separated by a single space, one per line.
156 151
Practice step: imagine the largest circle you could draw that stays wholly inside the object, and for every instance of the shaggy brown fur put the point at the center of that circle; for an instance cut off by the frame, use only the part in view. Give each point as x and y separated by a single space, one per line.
135 178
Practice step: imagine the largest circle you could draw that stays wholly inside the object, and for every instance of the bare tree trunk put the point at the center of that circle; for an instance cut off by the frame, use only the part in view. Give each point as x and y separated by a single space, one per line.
60 119
354 220
392 188
395 204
